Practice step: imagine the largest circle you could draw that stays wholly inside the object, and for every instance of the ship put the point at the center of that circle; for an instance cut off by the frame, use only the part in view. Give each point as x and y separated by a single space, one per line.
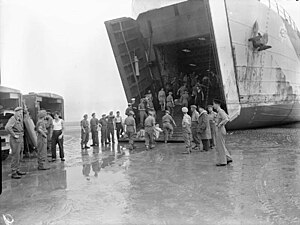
247 52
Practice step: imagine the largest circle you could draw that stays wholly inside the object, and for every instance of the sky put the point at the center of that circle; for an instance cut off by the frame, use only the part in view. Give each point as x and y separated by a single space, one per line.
62 47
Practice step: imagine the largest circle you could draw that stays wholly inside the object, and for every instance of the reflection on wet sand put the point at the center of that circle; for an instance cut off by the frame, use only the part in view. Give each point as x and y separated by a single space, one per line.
112 185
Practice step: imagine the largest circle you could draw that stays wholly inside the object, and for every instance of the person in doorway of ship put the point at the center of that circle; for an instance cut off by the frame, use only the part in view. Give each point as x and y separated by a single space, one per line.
167 121
142 112
57 137
42 141
149 95
150 106
162 99
129 108
186 130
181 90
149 131
203 128
119 125
15 128
103 125
49 125
199 98
85 129
94 123
212 115
184 99
223 155
111 127
170 104
195 134
130 129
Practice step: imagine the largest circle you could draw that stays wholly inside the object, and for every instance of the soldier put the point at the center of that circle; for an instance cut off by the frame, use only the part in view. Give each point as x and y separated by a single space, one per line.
204 128
15 128
84 132
42 141
119 126
186 130
111 127
162 99
49 125
167 121
184 99
170 103
103 125
130 129
94 122
195 135
149 131
223 155
129 108
212 123
142 111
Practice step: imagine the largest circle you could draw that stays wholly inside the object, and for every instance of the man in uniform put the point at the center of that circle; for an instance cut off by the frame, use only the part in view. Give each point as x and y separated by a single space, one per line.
129 108
204 128
94 122
15 128
111 127
42 141
85 129
162 99
196 138
167 121
186 130
149 131
49 124
130 129
170 103
103 125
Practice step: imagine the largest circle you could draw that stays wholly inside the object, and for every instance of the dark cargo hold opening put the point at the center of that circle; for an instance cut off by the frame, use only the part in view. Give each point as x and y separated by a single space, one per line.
189 62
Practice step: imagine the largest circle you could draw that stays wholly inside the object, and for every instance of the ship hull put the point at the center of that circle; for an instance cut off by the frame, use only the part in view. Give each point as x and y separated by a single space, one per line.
258 88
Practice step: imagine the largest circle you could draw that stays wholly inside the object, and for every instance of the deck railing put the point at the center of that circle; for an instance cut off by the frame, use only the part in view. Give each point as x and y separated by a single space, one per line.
273 4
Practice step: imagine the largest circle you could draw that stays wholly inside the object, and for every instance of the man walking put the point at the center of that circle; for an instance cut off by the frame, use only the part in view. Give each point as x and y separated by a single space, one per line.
149 131
94 122
15 128
162 99
85 129
142 112
119 126
111 127
167 121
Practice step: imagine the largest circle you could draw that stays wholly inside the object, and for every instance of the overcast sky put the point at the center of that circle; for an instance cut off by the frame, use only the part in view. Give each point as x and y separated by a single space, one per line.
62 47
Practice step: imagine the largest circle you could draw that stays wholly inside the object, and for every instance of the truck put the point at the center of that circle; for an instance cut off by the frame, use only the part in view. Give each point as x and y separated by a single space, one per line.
9 99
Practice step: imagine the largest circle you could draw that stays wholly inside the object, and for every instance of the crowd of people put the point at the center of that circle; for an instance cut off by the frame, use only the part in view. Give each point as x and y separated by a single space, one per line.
49 131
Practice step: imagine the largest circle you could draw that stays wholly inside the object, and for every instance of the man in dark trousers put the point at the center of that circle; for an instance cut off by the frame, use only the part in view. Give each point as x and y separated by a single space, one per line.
94 122
204 128
199 96
103 125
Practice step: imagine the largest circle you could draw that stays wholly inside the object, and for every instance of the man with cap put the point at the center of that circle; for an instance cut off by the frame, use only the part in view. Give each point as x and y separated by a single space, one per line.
186 130
130 128
42 141
204 128
85 129
199 98
119 126
129 108
167 121
170 103
149 130
196 138
103 125
94 122
111 127
49 121
15 128
223 155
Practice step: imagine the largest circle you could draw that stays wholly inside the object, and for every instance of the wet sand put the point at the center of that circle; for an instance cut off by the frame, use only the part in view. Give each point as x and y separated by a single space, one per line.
110 185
